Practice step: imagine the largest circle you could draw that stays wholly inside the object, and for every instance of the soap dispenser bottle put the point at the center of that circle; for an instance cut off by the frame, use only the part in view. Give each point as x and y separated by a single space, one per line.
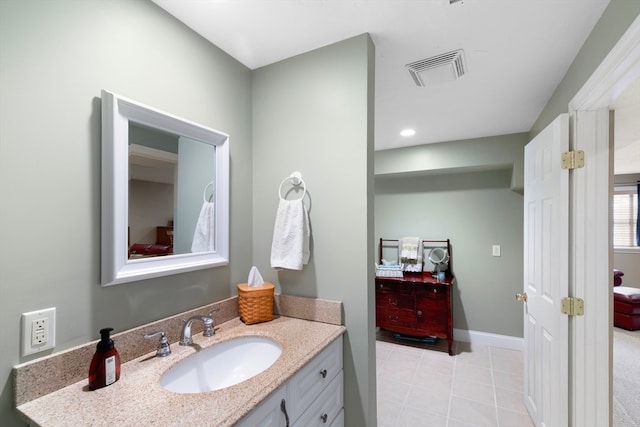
105 365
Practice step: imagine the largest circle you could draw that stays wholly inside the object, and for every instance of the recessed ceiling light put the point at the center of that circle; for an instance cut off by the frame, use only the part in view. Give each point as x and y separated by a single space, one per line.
408 132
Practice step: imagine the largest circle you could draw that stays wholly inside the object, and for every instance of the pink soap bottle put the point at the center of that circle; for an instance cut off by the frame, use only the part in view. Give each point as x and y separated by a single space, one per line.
105 365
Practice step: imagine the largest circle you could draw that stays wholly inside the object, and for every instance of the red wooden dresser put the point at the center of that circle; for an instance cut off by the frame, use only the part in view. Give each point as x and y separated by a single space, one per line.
416 304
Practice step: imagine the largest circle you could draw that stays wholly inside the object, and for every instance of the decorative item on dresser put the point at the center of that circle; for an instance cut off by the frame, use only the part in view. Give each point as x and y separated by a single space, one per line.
417 304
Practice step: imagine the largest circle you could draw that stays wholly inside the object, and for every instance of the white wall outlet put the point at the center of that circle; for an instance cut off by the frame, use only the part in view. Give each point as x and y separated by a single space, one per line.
38 331
496 250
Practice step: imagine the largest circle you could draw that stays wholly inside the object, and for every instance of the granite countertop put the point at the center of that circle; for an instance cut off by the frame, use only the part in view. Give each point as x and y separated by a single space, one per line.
138 399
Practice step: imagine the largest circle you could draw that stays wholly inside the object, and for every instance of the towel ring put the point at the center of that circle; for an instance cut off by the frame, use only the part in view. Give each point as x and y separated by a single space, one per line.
204 193
296 181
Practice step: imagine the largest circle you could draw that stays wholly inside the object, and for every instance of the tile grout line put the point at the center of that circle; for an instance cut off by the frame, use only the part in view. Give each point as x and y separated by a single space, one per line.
453 373
493 386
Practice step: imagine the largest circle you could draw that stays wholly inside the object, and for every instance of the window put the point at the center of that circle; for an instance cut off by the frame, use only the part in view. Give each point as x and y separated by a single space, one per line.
625 216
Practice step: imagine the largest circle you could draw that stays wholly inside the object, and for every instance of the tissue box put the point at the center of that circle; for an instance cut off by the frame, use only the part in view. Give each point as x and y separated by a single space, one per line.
255 304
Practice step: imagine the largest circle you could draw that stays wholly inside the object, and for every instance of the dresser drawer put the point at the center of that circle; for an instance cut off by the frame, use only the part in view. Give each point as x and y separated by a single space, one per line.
437 292
393 286
395 300
326 407
307 384
390 318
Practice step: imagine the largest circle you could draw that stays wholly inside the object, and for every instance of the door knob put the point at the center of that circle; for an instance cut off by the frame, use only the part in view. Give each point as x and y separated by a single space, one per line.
521 297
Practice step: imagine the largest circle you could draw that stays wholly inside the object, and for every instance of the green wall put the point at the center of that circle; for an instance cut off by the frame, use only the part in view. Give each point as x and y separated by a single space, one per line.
470 192
55 57
313 113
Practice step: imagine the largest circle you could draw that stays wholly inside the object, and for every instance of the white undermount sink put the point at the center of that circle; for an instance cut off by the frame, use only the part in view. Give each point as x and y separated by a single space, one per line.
222 365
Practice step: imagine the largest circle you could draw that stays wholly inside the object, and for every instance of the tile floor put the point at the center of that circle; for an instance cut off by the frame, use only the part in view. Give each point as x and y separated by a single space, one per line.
479 386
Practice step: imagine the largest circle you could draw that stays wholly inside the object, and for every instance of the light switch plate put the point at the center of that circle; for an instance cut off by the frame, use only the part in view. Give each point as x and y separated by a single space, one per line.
38 331
496 250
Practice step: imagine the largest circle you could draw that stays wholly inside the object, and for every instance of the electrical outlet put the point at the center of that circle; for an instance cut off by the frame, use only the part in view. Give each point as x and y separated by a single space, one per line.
496 250
38 331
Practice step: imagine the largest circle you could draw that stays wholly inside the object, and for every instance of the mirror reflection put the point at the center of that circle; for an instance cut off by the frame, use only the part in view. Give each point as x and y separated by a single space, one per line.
171 191
165 193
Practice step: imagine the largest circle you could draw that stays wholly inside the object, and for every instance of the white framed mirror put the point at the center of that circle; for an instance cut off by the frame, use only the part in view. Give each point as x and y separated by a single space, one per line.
165 193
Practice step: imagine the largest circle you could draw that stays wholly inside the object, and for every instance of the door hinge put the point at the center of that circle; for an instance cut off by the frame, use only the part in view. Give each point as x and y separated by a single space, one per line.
573 159
573 306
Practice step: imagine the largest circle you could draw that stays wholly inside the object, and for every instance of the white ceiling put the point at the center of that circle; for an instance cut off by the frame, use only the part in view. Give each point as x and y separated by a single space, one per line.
516 53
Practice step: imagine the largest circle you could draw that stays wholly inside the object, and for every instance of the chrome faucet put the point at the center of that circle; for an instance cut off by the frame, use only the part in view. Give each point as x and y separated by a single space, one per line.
186 339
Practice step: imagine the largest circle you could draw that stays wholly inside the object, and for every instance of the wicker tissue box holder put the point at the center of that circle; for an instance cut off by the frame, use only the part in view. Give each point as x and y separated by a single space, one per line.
255 304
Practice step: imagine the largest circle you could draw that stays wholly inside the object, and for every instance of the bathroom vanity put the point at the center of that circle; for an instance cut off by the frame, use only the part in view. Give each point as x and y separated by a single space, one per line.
307 376
312 397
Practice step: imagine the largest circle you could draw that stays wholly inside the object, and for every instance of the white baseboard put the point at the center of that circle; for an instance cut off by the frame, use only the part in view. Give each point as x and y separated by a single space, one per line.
485 338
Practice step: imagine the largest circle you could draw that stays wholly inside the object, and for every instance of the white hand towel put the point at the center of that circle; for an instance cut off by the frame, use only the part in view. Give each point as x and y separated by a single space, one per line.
290 246
411 254
203 236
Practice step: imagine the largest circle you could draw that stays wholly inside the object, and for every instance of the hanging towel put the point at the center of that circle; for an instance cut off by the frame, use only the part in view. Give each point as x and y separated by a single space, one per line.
411 254
203 236
290 246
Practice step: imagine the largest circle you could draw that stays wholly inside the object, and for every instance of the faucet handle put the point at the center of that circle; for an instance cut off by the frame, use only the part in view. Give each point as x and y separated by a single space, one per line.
208 325
163 345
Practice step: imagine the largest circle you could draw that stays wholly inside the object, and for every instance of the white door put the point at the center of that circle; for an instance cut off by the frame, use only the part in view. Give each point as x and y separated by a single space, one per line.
546 275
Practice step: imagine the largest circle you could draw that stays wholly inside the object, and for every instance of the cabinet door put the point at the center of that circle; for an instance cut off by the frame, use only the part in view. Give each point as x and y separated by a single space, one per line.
339 420
267 413
433 311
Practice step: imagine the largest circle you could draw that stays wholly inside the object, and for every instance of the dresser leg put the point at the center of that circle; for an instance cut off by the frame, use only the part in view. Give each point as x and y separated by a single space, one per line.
450 341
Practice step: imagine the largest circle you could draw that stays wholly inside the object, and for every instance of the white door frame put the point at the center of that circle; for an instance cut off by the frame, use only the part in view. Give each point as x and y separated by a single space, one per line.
590 391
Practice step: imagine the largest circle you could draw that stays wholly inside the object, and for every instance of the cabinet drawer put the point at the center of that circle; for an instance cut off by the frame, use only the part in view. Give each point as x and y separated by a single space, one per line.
307 384
436 292
397 300
267 413
326 407
389 318
389 285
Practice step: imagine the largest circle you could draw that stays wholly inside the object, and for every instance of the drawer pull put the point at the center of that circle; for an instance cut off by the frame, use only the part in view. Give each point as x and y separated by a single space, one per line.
419 313
324 417
323 373
283 408
435 291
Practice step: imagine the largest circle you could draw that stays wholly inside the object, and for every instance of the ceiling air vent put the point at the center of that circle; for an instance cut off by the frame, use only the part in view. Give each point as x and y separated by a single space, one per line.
438 69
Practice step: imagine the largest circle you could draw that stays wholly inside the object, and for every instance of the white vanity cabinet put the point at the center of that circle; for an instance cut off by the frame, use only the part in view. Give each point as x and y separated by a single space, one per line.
312 397
268 412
